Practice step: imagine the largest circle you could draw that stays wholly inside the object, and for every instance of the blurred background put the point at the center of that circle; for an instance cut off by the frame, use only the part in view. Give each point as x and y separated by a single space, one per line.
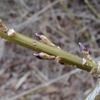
65 23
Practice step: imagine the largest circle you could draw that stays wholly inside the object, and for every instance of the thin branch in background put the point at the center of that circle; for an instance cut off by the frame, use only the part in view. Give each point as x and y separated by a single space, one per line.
22 80
92 8
95 93
39 87
35 17
78 24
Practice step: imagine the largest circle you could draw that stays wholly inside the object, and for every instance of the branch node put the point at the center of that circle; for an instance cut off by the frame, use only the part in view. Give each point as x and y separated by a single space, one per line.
93 71
84 61
58 60
3 27
11 32
34 43
45 40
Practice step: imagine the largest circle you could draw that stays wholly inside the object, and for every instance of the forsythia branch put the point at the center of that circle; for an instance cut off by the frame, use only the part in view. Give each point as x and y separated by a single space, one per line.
65 57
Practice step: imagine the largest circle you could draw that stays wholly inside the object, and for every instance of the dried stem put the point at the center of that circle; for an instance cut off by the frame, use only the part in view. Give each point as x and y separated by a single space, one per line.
95 93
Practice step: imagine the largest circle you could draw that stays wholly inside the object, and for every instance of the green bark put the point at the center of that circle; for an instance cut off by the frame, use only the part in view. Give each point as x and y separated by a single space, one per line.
41 47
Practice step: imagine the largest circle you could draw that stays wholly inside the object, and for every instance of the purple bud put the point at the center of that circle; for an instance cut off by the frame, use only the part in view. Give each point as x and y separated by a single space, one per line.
38 35
82 47
37 55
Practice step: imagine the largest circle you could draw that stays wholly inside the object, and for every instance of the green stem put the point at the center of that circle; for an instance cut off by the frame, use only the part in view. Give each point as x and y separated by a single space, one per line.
41 47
